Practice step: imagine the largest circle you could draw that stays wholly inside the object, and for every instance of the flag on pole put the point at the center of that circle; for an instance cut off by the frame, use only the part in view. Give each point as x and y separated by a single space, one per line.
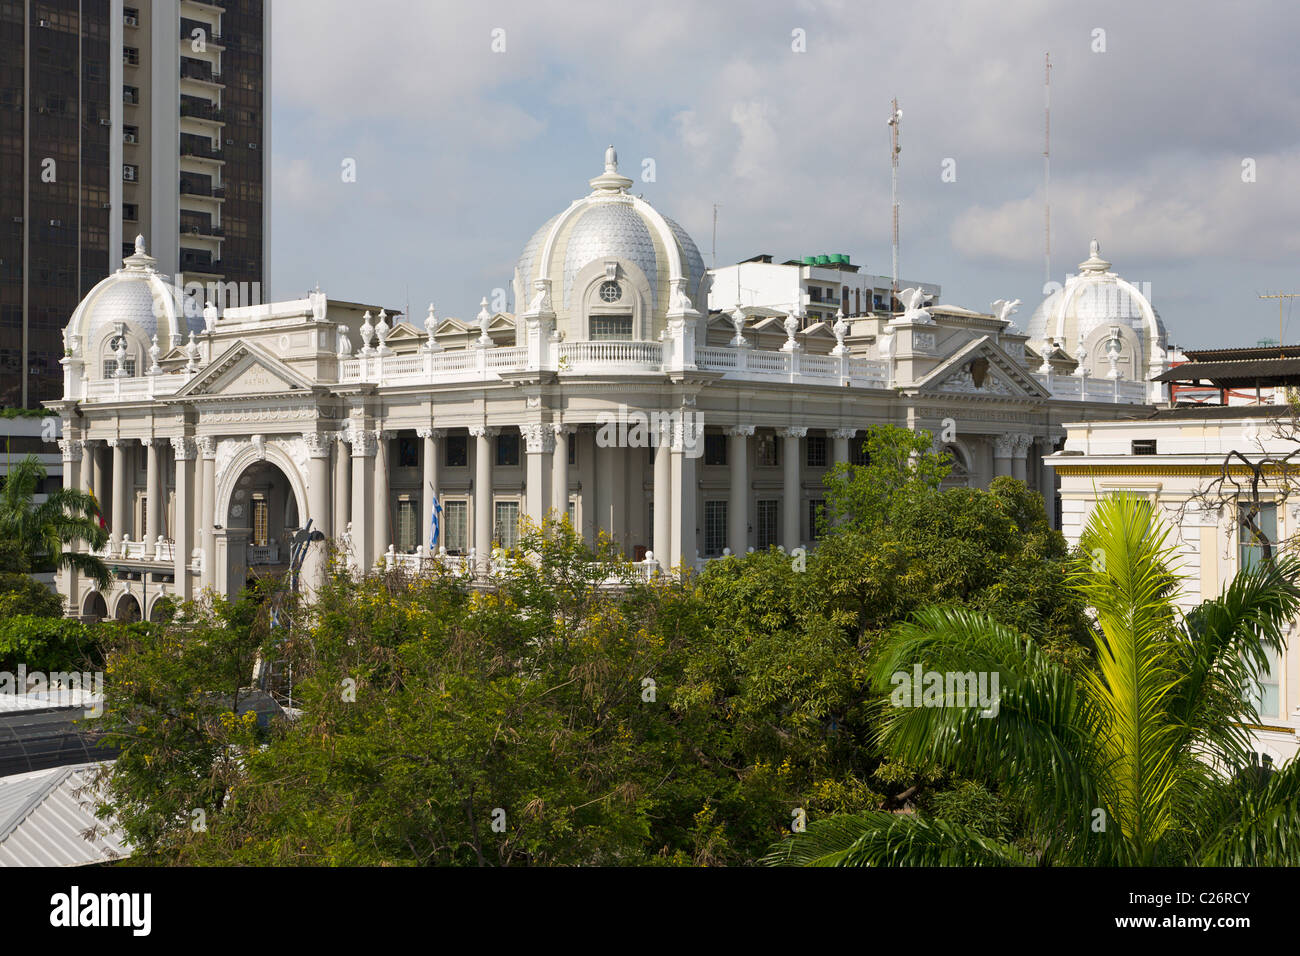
435 524
99 512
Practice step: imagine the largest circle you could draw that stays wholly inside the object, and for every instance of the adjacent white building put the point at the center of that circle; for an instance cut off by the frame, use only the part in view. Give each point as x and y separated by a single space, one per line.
820 285
1175 456
611 395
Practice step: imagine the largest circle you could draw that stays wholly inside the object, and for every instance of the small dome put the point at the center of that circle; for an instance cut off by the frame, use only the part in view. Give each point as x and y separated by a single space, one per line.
136 299
611 236
1099 313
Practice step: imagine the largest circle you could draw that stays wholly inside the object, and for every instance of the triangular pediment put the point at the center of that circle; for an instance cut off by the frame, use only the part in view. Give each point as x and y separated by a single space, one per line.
402 332
245 369
450 326
999 376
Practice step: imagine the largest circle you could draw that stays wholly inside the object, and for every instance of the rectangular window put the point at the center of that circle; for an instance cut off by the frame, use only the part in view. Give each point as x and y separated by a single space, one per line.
769 519
407 525
130 134
765 450
261 524
508 449
573 448
506 532
455 526
131 95
816 445
572 511
607 327
408 453
110 367
816 517
130 212
1262 692
715 448
456 454
715 527
131 55
858 451
1145 446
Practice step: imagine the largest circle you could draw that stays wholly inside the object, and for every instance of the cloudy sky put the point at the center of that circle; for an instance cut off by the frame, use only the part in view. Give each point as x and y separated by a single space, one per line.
461 151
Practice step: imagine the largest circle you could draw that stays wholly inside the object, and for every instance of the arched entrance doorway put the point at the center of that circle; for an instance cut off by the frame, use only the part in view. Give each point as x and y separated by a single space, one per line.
128 609
262 514
95 608
159 610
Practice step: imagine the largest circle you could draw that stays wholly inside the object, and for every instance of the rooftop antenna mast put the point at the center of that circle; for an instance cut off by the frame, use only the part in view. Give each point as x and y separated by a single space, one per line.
715 236
1280 296
1047 166
895 120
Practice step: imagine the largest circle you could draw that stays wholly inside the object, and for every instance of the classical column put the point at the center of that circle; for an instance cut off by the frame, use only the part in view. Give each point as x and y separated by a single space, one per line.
560 471
586 439
663 498
1021 449
790 493
605 485
738 502
318 506
153 495
121 514
840 439
86 477
539 445
1003 447
383 525
429 486
206 447
184 450
342 485
363 489
687 441
72 458
483 436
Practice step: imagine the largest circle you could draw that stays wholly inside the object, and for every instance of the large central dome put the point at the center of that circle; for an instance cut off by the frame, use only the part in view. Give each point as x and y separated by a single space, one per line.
610 260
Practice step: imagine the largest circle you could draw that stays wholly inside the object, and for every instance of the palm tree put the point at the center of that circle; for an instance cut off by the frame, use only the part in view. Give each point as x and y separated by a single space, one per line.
41 530
1143 760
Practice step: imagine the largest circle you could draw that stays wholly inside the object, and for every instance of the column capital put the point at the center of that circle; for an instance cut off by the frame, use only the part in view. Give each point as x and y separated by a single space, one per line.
844 432
562 429
363 441
184 448
734 430
484 431
318 445
116 442
71 448
1004 445
429 432
539 438
149 441
792 432
1022 443
206 446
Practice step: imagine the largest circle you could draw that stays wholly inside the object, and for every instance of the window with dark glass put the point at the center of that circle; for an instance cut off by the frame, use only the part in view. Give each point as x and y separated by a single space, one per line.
611 327
769 512
766 450
408 453
715 527
816 518
816 445
456 453
715 448
507 449
858 451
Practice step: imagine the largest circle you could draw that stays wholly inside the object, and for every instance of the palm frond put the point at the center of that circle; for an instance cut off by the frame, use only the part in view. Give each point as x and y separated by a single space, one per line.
1262 827
890 839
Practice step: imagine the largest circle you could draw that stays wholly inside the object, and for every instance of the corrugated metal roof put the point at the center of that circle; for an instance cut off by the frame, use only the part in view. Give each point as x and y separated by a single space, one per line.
44 819
1270 371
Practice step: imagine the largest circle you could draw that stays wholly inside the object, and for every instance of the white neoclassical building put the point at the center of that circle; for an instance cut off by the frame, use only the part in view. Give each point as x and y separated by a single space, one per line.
611 395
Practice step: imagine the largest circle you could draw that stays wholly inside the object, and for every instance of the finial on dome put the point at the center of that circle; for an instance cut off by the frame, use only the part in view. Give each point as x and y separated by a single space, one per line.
610 181
1094 262
139 245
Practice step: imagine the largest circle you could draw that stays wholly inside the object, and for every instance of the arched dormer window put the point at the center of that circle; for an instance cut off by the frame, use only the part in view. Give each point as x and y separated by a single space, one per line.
612 305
